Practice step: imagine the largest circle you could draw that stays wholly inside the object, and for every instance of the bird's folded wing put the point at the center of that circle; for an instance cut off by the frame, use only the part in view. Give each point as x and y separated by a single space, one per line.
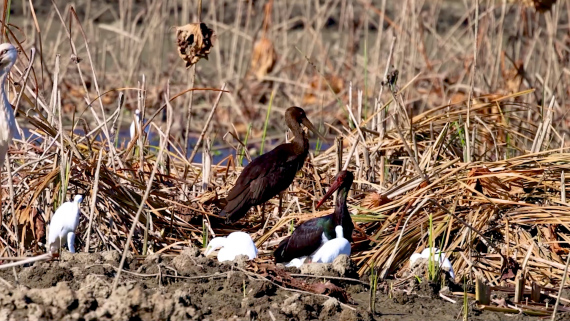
305 240
257 170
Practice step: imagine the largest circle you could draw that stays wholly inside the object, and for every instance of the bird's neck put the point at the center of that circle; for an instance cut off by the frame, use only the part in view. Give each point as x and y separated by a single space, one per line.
341 209
339 233
300 142
4 103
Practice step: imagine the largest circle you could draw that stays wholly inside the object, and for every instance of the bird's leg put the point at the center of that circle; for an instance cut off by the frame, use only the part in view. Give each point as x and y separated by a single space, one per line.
71 242
59 248
260 209
263 212
280 203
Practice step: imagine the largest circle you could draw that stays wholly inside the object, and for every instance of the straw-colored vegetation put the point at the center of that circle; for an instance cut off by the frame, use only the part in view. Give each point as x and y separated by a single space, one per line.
461 114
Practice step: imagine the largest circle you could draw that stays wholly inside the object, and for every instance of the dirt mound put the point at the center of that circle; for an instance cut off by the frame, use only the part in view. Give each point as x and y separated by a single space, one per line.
192 287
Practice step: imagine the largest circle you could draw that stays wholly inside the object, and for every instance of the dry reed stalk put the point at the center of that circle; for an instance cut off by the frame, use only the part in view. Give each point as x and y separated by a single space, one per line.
145 196
206 126
93 200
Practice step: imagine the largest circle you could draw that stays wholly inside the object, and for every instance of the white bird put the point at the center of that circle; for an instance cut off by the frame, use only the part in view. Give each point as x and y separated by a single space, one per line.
437 256
8 127
136 124
237 243
327 252
415 257
63 225
333 248
296 262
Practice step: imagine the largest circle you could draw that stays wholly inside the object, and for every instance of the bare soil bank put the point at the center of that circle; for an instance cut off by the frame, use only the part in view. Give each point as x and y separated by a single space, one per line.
192 287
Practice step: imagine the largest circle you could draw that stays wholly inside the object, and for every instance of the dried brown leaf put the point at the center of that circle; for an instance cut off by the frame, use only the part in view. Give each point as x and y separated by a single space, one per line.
263 58
319 84
487 184
208 198
550 234
194 40
331 290
39 225
373 200
539 5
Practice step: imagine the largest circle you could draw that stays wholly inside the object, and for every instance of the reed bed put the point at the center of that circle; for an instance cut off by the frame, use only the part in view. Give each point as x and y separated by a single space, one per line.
473 144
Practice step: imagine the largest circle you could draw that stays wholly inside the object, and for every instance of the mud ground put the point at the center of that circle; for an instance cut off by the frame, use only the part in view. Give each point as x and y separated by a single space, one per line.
192 287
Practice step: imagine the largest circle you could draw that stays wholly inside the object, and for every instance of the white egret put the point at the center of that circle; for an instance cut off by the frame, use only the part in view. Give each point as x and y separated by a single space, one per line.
8 127
296 262
328 251
333 248
63 225
437 256
136 124
415 257
237 243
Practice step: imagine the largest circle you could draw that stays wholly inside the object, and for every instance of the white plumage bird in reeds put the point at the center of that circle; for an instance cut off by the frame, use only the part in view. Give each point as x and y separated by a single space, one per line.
237 243
8 127
136 124
63 225
437 257
332 248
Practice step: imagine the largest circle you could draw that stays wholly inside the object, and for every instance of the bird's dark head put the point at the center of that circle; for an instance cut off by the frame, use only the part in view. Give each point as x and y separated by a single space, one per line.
342 179
297 114
8 56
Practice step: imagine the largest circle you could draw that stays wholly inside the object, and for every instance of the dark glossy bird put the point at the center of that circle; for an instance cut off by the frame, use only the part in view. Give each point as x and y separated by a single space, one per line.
312 234
272 172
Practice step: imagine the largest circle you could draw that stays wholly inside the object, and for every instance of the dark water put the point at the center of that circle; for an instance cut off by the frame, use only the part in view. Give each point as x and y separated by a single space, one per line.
219 150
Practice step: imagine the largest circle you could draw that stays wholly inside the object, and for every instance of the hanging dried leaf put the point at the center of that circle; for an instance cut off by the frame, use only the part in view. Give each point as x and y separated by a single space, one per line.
194 40
263 58
321 85
335 82
512 73
539 5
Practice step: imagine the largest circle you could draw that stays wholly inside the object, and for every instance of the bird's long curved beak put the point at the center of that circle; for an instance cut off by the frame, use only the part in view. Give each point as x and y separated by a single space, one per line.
312 127
337 183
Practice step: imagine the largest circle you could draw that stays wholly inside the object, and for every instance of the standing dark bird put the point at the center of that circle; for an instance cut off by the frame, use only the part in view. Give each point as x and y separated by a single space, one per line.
309 236
272 172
